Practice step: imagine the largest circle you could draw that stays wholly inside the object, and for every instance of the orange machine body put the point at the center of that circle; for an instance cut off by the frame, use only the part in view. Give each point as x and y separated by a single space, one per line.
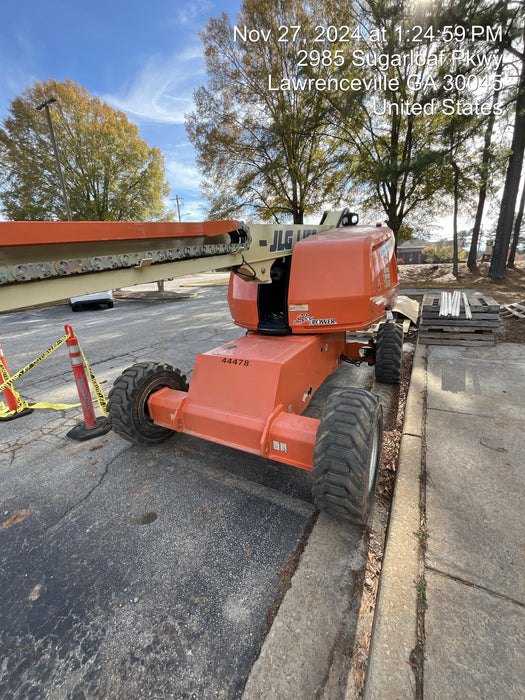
250 393
341 279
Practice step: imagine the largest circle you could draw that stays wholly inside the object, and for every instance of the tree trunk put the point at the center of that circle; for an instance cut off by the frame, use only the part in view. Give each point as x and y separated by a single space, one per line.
473 252
455 219
517 227
511 188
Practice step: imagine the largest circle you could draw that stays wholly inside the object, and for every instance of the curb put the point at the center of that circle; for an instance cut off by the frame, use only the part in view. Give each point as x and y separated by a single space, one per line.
306 651
297 653
390 675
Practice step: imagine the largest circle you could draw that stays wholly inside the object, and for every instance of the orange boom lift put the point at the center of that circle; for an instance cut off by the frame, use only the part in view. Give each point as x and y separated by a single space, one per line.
296 291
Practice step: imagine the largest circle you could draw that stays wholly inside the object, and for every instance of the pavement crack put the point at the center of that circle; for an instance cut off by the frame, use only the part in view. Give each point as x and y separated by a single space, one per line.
84 498
471 584
474 414
102 476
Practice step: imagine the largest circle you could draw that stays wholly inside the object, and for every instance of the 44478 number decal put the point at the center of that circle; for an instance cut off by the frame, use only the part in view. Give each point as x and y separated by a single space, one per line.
236 361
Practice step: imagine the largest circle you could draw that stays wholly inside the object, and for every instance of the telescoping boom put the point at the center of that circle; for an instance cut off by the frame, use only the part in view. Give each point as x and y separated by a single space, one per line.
52 260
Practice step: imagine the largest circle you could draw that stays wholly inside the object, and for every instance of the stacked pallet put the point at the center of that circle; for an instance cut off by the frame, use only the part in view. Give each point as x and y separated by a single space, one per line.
471 321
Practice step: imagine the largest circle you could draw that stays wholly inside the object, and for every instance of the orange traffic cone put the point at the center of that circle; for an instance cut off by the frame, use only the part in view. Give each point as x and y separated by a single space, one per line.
11 396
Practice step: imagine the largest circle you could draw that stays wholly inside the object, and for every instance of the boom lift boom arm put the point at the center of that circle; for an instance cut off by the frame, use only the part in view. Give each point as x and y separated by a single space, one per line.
52 260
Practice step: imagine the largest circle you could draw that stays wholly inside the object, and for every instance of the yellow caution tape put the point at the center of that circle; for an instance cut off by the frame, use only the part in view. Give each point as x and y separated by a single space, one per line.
32 364
6 413
101 397
7 382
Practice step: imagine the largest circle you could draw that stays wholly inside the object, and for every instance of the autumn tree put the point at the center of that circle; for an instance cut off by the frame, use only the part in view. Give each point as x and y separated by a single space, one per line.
443 253
516 47
410 158
395 159
501 20
461 132
263 150
477 24
111 174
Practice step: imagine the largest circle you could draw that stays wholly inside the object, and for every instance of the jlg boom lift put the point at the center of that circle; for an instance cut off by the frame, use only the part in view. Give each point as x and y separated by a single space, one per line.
296 290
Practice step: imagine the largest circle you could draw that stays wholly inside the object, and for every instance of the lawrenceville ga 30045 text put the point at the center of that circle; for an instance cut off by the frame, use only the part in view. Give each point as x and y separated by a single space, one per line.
454 84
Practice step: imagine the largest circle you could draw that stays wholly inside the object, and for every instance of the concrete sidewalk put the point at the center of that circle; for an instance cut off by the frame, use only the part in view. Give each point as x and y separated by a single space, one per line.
450 610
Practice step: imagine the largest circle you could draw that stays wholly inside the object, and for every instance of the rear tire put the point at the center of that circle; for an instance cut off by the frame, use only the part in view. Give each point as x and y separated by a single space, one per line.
127 402
389 353
347 453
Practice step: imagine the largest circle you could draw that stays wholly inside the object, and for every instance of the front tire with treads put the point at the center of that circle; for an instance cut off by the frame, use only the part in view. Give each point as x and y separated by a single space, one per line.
389 353
347 453
127 402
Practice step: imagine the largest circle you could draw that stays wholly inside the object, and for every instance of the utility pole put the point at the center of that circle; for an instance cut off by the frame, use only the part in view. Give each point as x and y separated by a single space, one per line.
177 199
45 105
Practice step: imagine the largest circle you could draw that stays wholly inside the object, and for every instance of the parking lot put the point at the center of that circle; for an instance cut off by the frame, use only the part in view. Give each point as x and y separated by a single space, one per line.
135 571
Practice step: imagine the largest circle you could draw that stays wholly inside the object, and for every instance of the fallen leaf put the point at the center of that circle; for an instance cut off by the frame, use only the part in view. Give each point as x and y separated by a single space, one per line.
16 518
248 553
359 677
35 593
206 512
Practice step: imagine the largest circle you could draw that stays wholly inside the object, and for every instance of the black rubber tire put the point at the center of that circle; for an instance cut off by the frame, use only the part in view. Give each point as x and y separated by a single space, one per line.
389 353
127 402
110 304
347 453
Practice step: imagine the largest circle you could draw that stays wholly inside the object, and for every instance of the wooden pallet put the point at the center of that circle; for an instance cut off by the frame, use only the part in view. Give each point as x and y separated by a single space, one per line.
452 323
467 339
459 330
479 304
513 310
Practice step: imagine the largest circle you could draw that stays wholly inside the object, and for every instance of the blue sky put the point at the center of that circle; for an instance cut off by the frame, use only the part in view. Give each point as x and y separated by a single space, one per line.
144 58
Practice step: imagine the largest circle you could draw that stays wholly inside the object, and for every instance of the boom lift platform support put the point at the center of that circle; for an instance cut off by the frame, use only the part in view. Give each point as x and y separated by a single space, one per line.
296 289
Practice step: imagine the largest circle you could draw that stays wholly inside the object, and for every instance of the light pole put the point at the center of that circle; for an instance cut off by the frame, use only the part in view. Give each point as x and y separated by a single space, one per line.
45 105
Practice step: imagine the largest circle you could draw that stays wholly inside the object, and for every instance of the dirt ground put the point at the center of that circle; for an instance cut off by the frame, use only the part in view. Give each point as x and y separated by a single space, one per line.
508 291
440 276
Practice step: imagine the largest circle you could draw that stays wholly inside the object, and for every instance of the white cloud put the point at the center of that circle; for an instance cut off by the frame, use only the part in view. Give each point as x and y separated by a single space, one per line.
191 12
162 91
182 176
